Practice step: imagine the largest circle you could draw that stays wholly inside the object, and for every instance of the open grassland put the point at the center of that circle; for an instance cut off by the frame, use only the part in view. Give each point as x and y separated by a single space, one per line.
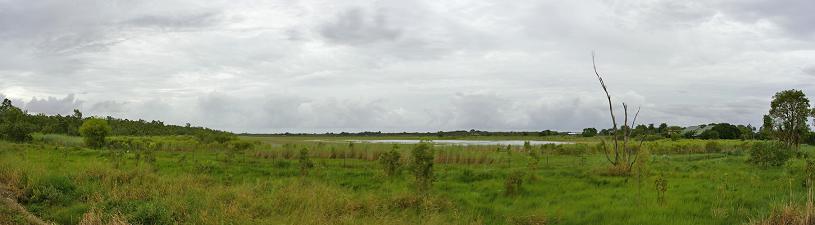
283 139
175 180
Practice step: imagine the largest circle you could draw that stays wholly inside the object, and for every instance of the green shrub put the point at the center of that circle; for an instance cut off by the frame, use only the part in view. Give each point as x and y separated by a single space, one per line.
151 213
51 190
241 145
713 147
422 165
390 161
767 154
94 132
305 162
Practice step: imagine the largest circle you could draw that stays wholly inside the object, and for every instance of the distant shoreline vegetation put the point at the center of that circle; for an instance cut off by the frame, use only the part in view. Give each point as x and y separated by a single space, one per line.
18 126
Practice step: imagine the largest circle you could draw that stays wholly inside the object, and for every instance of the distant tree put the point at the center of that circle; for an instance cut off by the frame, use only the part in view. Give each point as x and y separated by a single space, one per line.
640 130
710 134
547 133
789 111
727 131
94 132
662 129
589 132
767 128
13 123
747 132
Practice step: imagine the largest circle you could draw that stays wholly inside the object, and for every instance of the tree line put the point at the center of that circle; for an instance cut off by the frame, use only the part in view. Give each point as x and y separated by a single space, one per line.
787 121
17 125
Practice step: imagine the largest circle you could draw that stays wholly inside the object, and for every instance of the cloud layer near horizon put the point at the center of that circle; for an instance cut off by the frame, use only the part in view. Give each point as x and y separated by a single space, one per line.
317 66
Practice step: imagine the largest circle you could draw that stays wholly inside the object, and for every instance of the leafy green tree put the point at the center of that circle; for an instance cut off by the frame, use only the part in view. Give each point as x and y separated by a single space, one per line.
94 131
662 129
13 123
727 131
789 111
747 132
589 132
709 134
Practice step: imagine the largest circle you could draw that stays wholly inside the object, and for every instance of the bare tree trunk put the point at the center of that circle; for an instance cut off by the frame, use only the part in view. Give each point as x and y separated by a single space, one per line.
623 155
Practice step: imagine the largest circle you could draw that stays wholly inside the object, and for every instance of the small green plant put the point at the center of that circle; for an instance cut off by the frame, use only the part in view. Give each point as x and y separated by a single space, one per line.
390 161
513 183
422 165
534 159
661 185
305 162
332 153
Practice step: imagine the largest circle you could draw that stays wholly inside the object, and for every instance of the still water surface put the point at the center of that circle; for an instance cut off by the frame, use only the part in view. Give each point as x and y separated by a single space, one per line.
460 142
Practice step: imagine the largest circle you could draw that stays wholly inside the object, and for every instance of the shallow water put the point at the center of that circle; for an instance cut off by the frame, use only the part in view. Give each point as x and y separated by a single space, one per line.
460 142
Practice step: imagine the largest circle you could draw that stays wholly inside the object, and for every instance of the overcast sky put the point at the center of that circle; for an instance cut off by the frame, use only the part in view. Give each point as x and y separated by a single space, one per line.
395 65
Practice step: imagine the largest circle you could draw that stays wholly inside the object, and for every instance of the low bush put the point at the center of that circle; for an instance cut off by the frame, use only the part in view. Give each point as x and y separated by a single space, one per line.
151 213
769 154
51 190
390 161
713 147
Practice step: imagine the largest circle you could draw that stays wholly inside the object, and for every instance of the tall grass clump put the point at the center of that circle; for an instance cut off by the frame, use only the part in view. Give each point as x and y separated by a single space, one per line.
513 183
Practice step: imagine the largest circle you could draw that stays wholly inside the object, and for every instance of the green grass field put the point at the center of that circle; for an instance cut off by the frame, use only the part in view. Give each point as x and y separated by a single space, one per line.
182 182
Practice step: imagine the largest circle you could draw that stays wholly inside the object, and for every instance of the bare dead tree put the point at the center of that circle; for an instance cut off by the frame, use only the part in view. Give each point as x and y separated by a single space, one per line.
623 154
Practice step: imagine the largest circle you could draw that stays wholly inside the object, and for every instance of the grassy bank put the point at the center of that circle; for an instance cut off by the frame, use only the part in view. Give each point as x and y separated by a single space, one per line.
190 183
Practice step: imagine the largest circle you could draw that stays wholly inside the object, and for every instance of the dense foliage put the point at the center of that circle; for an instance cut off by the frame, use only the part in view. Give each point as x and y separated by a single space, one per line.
17 125
770 154
14 125
589 132
94 131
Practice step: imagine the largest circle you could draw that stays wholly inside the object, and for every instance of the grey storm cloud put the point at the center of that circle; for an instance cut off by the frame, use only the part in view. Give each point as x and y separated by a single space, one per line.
317 66
52 105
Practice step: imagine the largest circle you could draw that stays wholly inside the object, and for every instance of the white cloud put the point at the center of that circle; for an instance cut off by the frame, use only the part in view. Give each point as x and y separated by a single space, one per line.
404 65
